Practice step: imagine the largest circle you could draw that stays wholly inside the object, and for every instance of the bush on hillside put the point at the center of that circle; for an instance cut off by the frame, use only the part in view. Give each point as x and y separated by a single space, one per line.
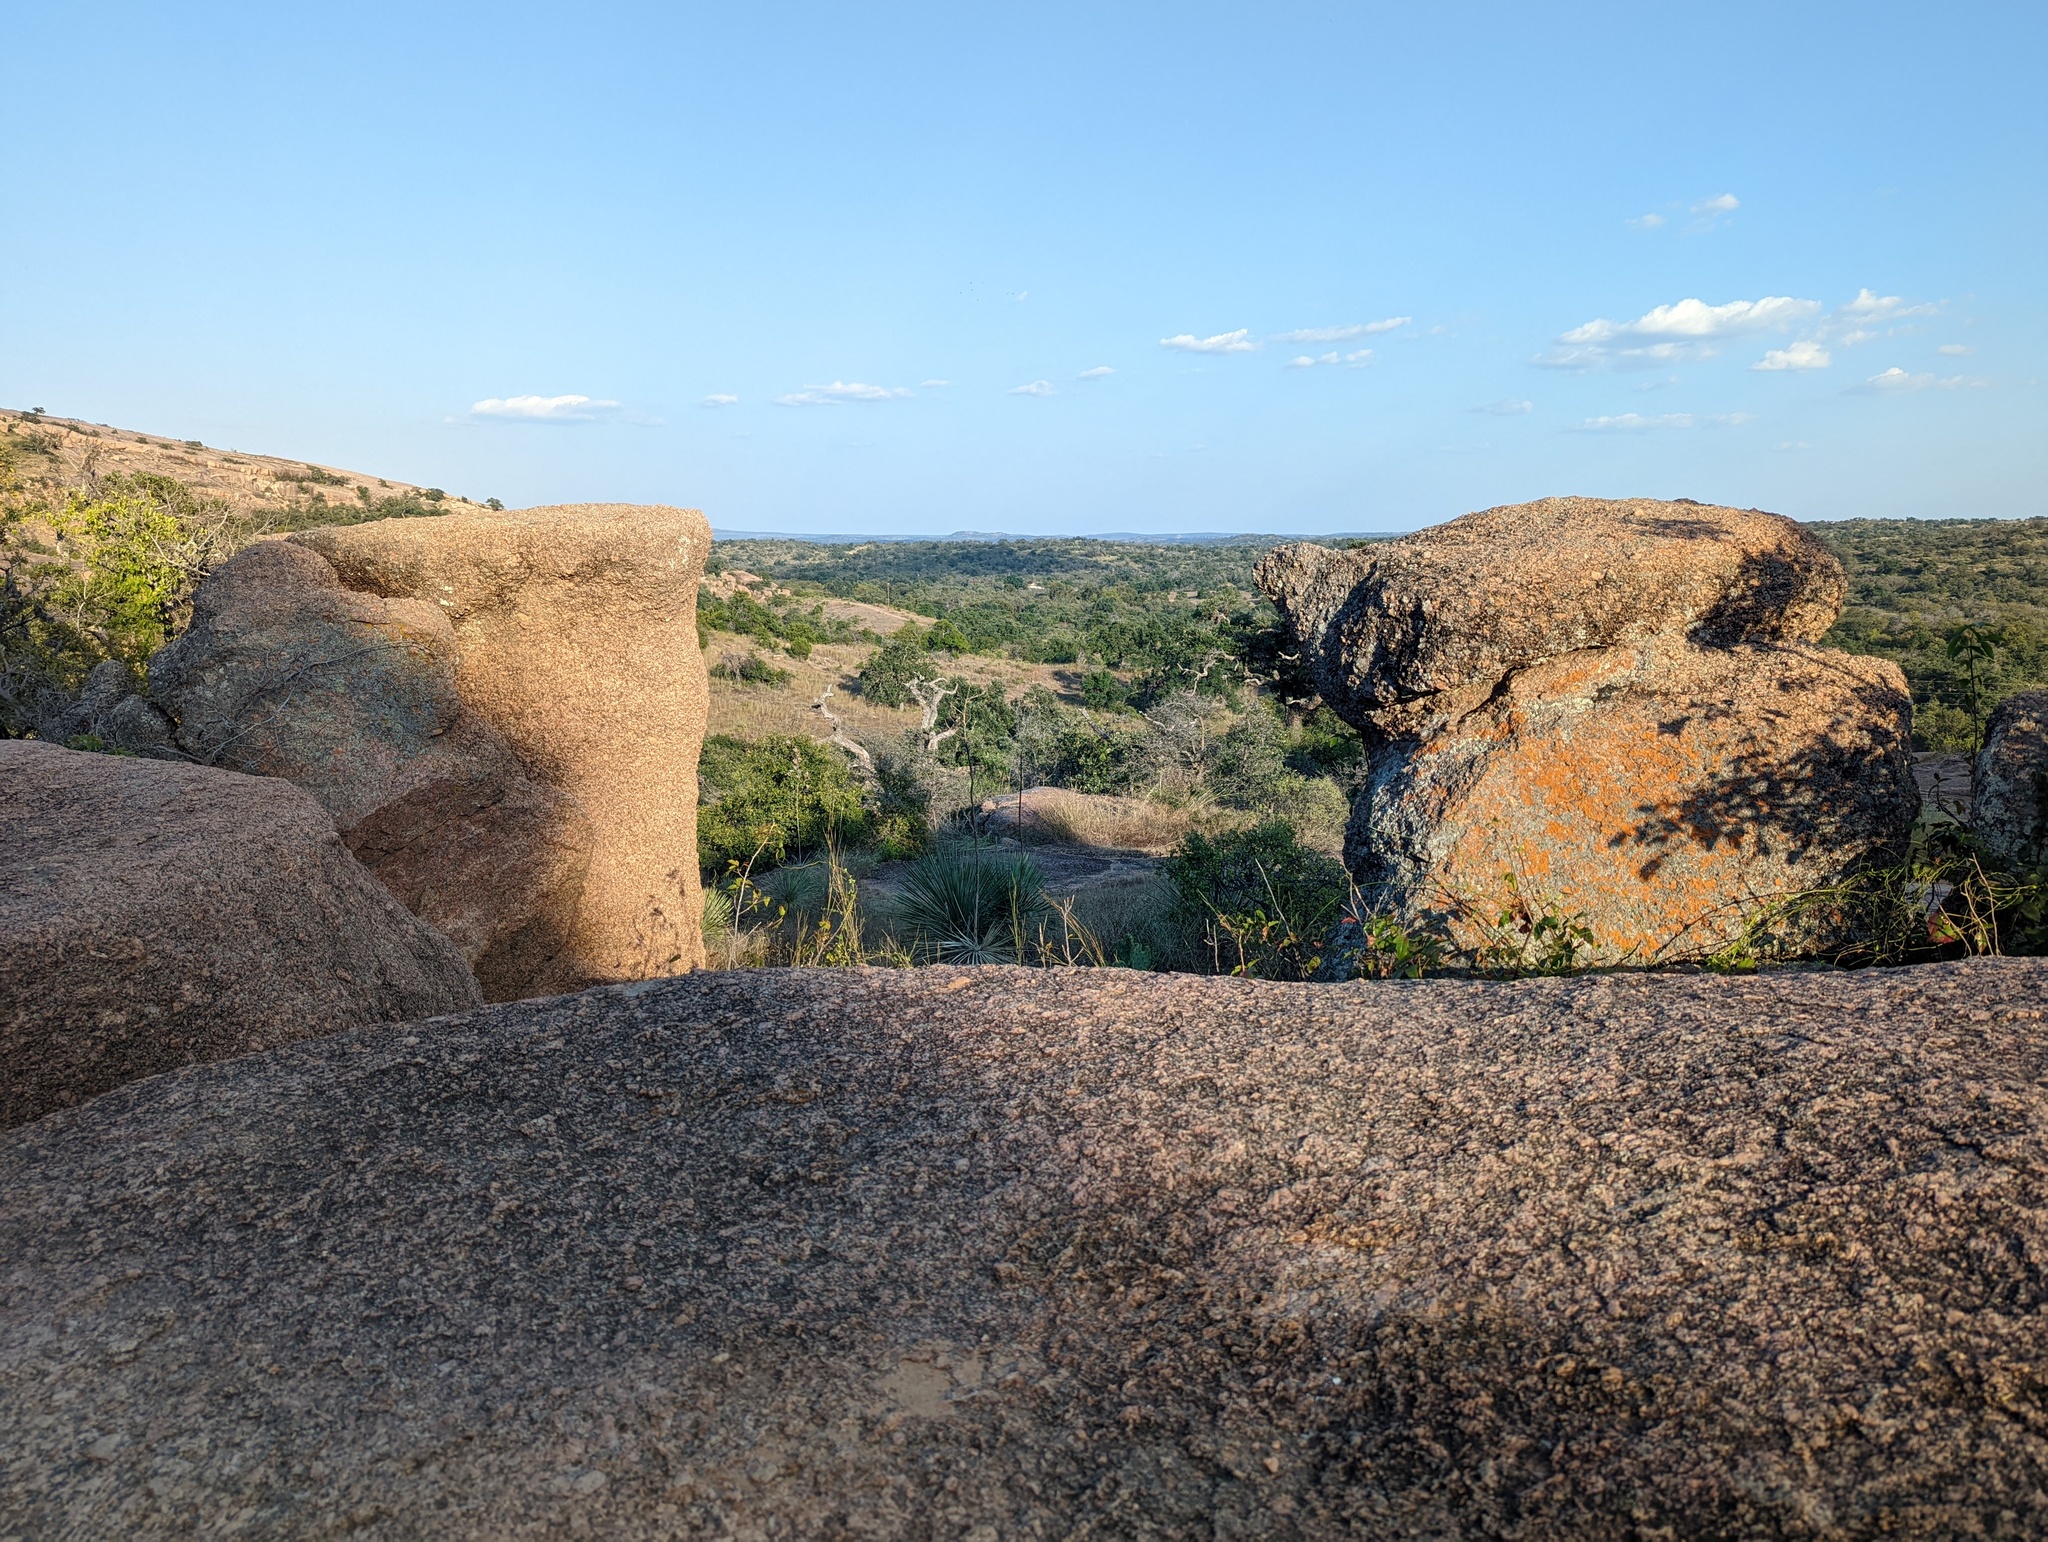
1255 902
117 583
764 801
885 678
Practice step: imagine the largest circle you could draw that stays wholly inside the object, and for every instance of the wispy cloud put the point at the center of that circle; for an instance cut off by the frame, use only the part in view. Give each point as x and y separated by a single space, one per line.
1721 203
1034 388
1956 350
1239 341
1100 372
1805 354
841 393
1343 334
545 409
1871 306
1637 423
935 385
1646 222
1686 329
1357 359
1898 382
1507 407
719 399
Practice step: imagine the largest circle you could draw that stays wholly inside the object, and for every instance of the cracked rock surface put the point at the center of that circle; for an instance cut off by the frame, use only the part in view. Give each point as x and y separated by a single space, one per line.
1000 1253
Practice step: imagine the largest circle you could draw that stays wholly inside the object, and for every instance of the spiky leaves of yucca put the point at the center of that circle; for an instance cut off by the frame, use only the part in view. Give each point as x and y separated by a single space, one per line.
969 905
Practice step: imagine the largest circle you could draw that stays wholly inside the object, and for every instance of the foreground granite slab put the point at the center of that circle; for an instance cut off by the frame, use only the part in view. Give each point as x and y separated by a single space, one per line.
995 1253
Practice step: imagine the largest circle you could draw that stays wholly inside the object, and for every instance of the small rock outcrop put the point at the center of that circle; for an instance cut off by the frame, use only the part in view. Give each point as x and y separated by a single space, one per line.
2010 811
111 709
1611 710
502 711
154 915
1049 1253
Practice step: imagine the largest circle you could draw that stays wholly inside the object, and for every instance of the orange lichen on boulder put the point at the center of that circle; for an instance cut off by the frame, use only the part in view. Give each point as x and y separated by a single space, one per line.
1609 711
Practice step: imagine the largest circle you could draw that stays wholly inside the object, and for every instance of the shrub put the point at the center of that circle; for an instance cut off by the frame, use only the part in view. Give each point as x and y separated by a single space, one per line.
1939 726
967 905
1255 901
902 800
945 637
1328 746
1250 764
885 678
751 669
1104 691
777 796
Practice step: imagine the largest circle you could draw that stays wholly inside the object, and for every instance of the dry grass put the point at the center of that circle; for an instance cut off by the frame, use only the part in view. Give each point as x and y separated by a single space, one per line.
1058 815
64 452
1122 909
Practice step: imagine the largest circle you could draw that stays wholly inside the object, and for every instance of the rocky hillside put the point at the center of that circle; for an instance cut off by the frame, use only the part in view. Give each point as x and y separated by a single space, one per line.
55 453
1005 1253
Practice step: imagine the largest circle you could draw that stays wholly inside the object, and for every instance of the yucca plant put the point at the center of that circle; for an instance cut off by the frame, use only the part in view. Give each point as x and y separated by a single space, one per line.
968 905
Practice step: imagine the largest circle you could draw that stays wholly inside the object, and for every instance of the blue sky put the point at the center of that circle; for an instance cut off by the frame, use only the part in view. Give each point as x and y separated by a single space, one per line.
1049 268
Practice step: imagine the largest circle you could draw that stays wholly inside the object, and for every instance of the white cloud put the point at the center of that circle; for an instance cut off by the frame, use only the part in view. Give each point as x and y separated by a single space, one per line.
1696 319
1100 372
839 393
1636 422
1896 381
1359 359
1646 222
1724 203
1804 354
1956 350
935 385
1792 445
1507 407
1239 341
1686 329
720 399
1870 306
1034 388
1305 361
1343 334
545 409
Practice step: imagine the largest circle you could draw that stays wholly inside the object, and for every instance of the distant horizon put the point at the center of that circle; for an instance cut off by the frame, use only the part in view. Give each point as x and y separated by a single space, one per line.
1133 268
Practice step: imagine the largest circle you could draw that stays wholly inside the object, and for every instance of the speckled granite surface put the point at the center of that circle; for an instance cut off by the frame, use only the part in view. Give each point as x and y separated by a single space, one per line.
997 1253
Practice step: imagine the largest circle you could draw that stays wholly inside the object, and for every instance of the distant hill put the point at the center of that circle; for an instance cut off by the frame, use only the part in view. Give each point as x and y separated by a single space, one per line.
56 453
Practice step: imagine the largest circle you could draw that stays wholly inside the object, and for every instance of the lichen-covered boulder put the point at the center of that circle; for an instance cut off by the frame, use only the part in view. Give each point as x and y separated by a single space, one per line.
1609 713
1662 792
155 915
352 696
1465 603
2010 808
